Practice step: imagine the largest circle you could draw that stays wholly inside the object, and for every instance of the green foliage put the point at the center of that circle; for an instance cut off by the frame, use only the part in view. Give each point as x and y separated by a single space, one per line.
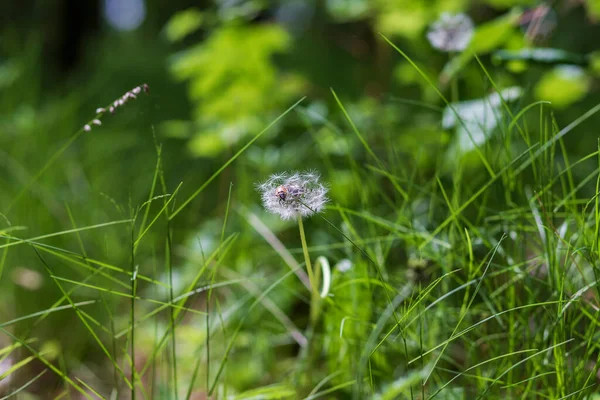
593 7
563 85
345 10
234 84
463 226
503 4
281 391
183 24
409 18
345 317
476 121
489 36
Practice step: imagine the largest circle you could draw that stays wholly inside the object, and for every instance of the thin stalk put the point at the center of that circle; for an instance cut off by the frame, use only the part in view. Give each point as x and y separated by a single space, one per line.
172 311
314 309
314 290
132 310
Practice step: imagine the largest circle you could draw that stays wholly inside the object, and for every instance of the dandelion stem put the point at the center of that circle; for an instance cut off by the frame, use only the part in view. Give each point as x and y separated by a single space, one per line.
314 298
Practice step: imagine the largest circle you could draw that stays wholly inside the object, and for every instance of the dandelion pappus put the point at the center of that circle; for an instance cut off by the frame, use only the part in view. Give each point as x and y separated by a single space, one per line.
293 195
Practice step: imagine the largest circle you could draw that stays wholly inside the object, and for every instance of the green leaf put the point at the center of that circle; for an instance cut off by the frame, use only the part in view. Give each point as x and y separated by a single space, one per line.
234 84
593 8
504 4
347 10
563 86
278 391
183 23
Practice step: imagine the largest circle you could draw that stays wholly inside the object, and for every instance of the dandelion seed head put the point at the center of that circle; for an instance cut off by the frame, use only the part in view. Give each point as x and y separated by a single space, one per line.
293 194
451 32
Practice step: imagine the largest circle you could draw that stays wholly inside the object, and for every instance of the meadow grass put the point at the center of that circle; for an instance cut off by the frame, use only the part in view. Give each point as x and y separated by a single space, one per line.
478 280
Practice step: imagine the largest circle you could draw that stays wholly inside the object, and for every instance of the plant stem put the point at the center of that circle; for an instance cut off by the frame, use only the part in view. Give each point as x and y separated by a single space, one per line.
314 290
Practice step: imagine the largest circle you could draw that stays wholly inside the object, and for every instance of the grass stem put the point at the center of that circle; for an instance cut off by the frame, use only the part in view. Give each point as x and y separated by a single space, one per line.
314 290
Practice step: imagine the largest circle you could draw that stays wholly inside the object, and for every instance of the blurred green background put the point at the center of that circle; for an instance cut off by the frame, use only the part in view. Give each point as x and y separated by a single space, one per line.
218 73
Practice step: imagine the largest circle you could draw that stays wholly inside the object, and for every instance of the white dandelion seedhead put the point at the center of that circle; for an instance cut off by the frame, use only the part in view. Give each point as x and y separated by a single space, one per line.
290 195
451 32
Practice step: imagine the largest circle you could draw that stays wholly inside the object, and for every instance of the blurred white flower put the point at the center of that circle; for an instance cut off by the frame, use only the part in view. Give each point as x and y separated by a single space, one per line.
293 194
344 265
27 278
476 120
451 32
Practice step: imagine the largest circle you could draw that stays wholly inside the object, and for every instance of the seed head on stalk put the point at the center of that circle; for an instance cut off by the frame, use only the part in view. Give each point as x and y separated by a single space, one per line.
293 194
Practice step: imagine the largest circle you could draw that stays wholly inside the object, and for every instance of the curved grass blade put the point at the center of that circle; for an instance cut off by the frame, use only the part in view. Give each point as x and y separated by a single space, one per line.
48 364
232 159
28 383
84 320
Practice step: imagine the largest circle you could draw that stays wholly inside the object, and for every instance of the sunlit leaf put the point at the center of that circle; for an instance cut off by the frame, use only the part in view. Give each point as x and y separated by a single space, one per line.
563 86
509 3
234 84
183 23
344 10
279 391
593 8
